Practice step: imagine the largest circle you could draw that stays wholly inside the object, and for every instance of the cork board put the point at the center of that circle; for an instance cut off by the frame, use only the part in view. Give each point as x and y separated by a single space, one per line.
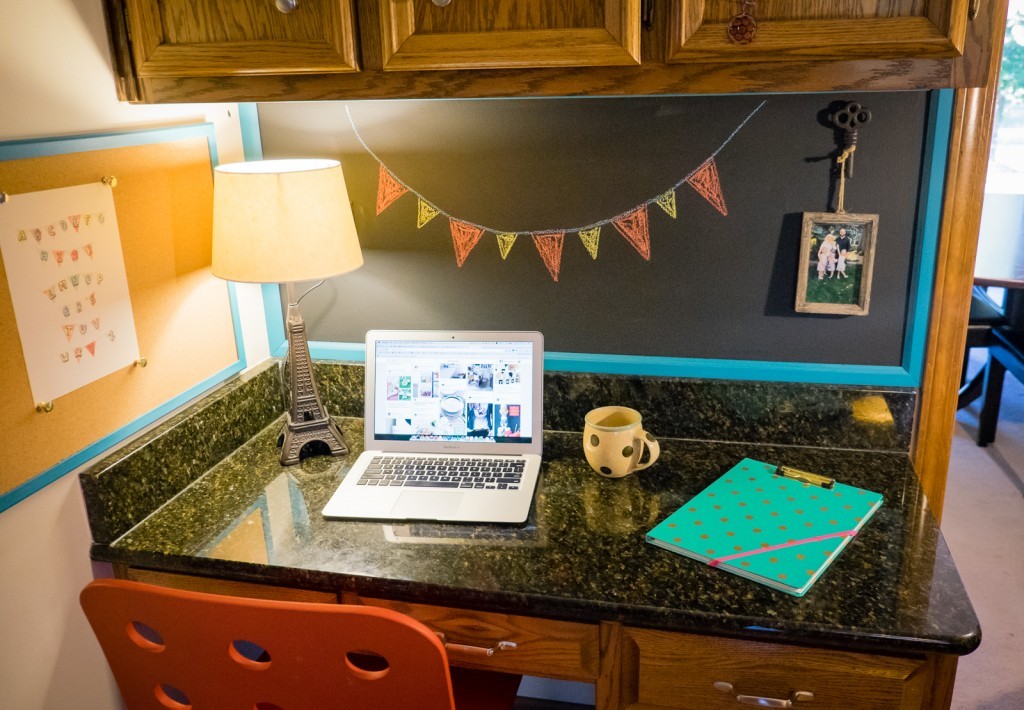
183 315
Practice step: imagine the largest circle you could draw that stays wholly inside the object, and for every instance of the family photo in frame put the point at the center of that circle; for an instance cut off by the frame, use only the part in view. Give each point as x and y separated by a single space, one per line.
837 251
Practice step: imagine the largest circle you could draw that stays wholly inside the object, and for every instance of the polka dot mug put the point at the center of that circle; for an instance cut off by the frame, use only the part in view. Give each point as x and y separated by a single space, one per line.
614 442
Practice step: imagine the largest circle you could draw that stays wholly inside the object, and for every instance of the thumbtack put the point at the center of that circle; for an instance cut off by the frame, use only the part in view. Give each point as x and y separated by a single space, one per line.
44 407
4 197
109 180
141 362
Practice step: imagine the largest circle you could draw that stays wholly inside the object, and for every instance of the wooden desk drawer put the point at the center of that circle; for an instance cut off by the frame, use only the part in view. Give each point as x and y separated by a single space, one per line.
553 649
679 671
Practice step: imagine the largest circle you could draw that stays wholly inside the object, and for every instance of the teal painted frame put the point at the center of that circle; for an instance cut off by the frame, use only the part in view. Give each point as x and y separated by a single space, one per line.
907 374
35 148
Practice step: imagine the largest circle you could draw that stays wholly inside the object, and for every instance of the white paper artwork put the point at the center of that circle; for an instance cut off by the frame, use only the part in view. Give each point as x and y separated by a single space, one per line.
62 254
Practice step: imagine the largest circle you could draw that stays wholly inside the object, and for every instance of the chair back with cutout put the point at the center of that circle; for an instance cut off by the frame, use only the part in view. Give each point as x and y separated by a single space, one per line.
170 648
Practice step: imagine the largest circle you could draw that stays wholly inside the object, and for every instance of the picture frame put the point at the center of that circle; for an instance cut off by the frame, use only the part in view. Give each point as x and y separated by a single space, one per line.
831 279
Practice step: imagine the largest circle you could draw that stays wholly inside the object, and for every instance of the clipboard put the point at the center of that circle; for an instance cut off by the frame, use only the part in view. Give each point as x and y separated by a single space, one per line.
774 525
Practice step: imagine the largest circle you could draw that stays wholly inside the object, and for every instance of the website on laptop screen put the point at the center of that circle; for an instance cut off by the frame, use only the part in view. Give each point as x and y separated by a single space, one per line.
453 391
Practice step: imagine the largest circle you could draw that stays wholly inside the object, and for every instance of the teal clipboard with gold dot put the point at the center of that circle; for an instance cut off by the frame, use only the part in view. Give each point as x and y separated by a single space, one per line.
771 528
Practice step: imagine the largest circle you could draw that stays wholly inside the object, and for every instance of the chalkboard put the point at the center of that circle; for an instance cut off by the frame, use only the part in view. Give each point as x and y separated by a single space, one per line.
717 286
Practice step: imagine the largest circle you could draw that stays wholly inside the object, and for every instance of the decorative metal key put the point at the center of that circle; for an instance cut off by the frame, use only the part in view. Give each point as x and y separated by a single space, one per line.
848 119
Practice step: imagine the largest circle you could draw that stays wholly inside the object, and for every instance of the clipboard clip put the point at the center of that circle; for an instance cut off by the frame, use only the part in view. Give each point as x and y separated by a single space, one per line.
806 476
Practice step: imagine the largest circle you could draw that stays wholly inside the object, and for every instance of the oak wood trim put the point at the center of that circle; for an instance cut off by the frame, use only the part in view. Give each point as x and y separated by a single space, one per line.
154 56
554 649
940 691
607 688
617 43
951 295
211 585
786 40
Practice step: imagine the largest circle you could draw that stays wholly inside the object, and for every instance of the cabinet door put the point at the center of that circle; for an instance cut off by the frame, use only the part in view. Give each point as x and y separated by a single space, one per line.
797 30
182 38
663 671
476 34
510 644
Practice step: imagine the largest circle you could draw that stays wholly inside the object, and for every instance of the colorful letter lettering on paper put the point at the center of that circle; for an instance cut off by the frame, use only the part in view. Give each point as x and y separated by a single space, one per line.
49 328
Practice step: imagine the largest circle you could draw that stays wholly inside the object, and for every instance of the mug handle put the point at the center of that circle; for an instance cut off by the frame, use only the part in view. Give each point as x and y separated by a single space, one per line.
652 445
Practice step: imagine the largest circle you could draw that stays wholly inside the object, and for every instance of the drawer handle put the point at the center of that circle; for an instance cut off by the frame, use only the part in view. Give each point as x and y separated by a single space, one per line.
476 650
761 702
286 6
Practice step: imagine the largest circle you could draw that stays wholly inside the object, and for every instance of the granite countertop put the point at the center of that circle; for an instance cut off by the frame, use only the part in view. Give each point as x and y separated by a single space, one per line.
581 556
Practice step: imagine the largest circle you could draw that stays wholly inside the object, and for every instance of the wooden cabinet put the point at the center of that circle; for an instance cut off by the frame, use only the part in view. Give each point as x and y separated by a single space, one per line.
183 38
509 643
671 671
479 34
643 669
797 30
247 50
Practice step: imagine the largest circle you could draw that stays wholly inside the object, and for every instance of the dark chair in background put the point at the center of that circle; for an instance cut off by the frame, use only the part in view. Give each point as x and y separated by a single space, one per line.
1005 353
985 317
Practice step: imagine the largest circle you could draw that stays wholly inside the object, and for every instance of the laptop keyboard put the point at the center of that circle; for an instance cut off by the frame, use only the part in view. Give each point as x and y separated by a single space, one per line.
426 472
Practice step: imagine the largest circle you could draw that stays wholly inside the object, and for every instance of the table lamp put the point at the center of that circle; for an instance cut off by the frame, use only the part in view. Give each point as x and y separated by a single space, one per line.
283 221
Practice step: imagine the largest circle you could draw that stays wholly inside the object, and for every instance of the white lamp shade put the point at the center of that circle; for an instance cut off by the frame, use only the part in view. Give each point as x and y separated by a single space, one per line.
276 221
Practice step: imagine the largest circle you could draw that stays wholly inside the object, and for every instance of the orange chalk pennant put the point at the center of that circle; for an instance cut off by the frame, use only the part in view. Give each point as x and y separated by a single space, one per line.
69 330
549 246
388 189
590 238
75 220
505 242
634 227
465 236
667 202
91 347
705 181
424 213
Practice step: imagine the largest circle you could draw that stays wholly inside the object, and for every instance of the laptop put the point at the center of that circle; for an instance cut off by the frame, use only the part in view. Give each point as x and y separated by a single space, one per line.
453 428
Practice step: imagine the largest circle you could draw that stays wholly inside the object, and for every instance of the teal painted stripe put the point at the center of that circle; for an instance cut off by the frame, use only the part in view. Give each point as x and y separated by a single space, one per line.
274 313
42 147
751 370
24 490
249 122
930 204
236 321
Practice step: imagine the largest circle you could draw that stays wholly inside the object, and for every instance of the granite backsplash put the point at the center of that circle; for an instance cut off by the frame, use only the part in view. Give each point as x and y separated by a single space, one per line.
128 485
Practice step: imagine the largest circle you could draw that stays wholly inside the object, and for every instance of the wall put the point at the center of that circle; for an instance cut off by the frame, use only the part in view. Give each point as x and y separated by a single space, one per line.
57 80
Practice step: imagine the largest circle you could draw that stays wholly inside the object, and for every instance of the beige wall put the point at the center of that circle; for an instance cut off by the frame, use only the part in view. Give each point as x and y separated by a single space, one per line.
55 79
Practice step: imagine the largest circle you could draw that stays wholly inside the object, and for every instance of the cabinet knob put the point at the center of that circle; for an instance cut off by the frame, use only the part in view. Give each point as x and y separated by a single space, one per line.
763 702
442 3
286 6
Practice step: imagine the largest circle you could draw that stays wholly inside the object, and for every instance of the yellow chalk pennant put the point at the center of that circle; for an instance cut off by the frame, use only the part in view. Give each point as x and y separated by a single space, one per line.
590 238
424 213
667 202
505 242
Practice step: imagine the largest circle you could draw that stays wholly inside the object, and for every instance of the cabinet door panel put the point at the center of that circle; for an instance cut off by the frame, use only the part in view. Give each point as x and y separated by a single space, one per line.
179 38
477 34
790 30
674 671
543 647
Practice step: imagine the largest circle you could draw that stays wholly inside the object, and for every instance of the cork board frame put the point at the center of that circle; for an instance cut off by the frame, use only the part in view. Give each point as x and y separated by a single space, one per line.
186 319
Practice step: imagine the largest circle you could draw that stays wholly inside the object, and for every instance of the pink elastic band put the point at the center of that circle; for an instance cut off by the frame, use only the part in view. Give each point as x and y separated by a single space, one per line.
719 560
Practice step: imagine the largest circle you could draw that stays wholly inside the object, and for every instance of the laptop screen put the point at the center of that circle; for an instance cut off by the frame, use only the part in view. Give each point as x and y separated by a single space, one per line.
454 391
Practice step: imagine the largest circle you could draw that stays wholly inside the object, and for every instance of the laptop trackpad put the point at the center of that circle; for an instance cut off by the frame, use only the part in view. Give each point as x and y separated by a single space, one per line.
427 505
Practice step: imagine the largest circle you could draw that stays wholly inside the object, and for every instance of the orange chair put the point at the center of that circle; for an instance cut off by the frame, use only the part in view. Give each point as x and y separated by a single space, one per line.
175 649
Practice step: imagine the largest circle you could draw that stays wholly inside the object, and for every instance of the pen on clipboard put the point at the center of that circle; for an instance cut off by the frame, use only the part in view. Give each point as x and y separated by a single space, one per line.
806 476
